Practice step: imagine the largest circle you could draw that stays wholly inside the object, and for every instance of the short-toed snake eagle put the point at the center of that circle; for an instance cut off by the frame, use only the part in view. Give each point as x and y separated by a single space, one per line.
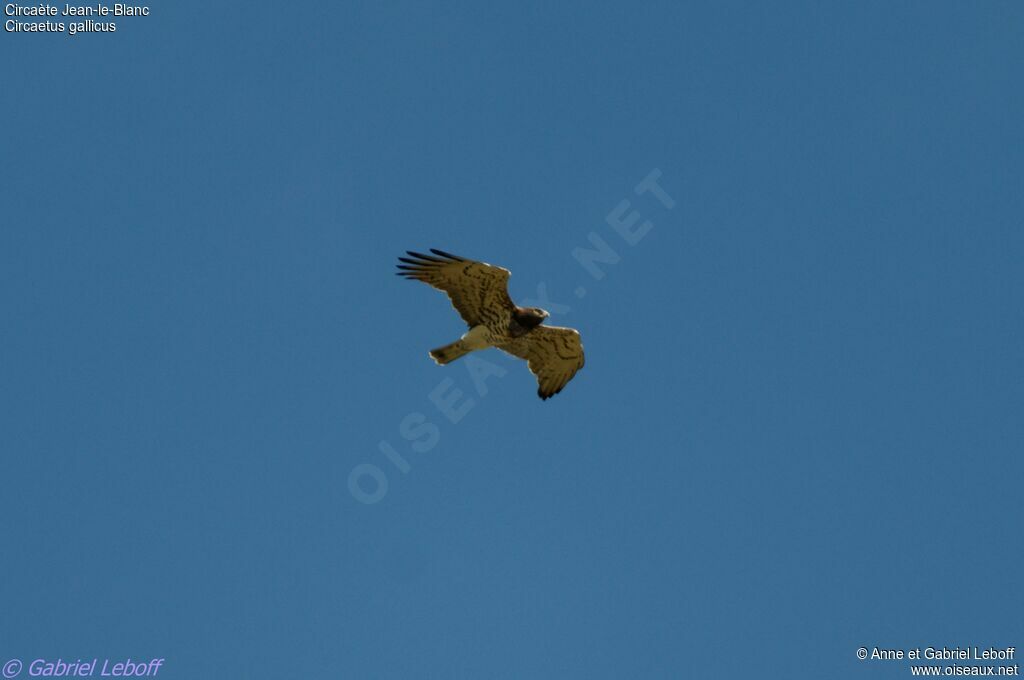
479 293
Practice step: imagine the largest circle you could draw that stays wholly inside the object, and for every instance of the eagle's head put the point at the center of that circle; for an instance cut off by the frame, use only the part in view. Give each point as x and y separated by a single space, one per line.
530 317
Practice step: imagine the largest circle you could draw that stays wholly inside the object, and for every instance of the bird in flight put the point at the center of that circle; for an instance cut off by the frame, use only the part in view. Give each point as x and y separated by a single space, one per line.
479 293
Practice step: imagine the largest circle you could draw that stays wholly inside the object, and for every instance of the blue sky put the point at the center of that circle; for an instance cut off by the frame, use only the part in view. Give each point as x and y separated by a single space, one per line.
798 430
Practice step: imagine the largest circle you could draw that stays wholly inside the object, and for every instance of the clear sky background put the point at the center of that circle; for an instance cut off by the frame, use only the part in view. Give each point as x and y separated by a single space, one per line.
798 431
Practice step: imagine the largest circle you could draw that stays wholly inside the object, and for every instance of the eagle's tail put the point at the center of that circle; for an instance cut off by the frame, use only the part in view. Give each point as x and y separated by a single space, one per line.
449 353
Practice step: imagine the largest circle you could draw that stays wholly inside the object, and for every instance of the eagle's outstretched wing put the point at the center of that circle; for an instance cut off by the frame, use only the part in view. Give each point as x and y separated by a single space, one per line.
554 355
478 291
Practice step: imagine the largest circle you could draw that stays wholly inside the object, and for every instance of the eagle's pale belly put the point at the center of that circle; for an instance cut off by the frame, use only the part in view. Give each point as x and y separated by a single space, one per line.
478 337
